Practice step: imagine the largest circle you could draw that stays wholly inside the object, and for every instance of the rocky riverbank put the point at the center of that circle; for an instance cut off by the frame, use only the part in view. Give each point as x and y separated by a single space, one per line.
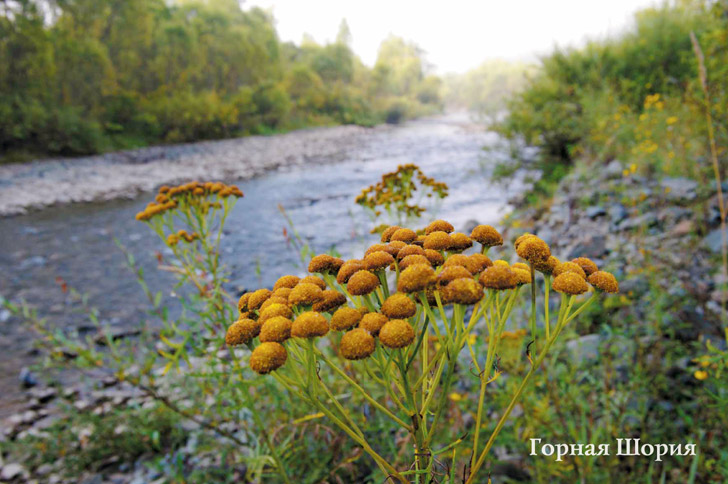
656 235
125 174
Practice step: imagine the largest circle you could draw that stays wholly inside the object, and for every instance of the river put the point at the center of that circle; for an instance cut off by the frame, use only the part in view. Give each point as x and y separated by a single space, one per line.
74 243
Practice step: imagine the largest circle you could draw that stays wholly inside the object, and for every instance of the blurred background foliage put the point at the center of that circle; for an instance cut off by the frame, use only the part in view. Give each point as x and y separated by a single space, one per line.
84 76
636 97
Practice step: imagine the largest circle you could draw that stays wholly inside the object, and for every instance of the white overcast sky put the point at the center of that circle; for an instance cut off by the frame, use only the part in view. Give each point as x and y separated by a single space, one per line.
456 35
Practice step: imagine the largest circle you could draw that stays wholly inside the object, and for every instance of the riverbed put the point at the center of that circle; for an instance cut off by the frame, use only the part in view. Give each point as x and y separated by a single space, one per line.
75 243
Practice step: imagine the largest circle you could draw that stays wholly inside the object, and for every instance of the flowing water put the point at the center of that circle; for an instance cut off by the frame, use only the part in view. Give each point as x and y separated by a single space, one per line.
75 243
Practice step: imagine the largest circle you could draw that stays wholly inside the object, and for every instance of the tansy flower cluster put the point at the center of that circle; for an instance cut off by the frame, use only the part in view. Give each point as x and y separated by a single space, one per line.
401 316
193 193
395 192
352 297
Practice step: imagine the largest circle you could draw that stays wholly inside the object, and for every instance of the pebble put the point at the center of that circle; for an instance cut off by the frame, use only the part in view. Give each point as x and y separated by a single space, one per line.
714 241
12 471
27 379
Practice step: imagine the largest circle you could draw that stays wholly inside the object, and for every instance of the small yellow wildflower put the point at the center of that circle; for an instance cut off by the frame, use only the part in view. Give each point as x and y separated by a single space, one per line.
671 120
700 375
456 397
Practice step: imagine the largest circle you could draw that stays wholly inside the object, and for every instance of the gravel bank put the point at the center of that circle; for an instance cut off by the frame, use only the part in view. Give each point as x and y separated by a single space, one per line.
125 174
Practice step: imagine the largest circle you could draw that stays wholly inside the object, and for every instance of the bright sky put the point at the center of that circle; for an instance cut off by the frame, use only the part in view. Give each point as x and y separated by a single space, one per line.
456 35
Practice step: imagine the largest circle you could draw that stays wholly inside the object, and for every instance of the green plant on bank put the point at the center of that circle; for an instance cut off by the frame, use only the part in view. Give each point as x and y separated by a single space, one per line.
172 364
399 197
635 98
403 319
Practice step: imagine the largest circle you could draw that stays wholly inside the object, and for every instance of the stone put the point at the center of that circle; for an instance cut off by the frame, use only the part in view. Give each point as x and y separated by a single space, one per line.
12 471
614 169
27 379
595 211
617 213
713 241
683 228
679 189
585 348
645 220
590 245
43 395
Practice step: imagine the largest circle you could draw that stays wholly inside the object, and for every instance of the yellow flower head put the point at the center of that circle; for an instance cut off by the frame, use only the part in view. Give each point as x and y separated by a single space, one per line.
309 325
463 291
274 300
331 300
378 260
459 242
396 333
325 264
498 277
570 283
486 236
362 282
479 262
416 278
268 357
449 274
345 318
413 259
273 310
242 332
388 232
373 322
410 250
276 329
317 281
348 269
243 302
305 294
533 249
434 257
405 235
547 267
565 267
604 281
439 226
357 344
257 298
438 240
399 306
587 264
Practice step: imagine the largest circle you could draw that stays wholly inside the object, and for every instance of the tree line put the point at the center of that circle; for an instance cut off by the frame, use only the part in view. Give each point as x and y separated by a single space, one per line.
85 76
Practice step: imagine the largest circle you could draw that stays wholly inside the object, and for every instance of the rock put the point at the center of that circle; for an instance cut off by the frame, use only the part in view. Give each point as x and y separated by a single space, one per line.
713 241
27 379
43 470
595 211
617 213
35 261
591 245
645 220
43 395
679 189
683 228
585 348
12 471
614 169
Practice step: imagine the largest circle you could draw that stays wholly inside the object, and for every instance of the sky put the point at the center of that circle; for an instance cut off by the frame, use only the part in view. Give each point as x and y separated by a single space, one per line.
457 35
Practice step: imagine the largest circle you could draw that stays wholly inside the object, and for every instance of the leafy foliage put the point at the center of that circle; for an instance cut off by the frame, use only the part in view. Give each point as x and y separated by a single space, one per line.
635 97
85 76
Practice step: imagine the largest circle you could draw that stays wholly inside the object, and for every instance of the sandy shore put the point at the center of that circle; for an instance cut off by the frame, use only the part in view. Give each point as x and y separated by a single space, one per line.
44 183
